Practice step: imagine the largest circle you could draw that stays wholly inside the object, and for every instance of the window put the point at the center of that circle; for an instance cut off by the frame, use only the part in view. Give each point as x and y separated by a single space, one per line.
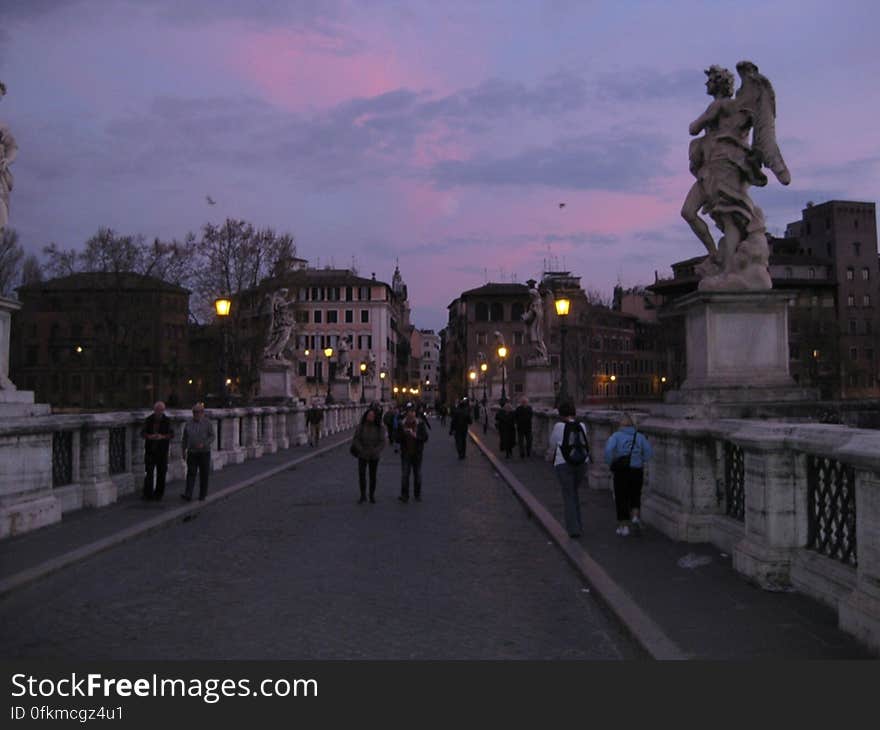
318 316
496 311
868 327
850 300
482 312
814 301
349 293
788 272
852 327
349 316
481 338
811 273
869 354
517 311
302 368
866 300
866 274
857 248
332 316
517 387
853 353
365 316
850 273
517 338
518 363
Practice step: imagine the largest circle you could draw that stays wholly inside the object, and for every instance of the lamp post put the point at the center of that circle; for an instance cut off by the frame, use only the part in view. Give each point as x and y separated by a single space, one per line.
472 376
382 376
328 353
223 306
502 355
563 306
483 369
363 384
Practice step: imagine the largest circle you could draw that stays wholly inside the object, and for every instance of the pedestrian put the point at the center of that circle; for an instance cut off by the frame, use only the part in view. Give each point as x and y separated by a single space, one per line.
458 425
367 445
442 412
626 453
523 417
314 417
412 436
571 454
391 419
198 436
506 424
157 434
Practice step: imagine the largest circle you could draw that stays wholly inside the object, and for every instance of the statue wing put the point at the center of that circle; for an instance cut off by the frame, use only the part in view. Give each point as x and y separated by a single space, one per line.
764 145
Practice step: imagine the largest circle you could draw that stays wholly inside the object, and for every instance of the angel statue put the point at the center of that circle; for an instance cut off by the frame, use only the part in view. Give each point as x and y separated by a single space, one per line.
281 323
534 318
342 358
725 164
8 151
370 372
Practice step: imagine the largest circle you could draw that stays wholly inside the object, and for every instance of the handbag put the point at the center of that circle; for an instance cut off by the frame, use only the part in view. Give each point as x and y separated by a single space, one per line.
621 463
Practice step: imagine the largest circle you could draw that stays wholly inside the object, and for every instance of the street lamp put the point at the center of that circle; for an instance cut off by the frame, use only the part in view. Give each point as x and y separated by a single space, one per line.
363 376
483 368
472 376
382 376
502 354
223 307
563 306
328 353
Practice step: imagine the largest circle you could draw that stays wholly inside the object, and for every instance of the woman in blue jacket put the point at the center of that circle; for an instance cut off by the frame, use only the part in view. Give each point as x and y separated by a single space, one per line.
628 442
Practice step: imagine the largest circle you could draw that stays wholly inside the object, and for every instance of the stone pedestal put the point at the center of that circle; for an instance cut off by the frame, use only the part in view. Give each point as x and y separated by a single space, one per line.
539 384
14 403
276 381
340 389
737 349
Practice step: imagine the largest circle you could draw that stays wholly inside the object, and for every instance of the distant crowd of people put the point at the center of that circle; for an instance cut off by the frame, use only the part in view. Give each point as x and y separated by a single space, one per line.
406 429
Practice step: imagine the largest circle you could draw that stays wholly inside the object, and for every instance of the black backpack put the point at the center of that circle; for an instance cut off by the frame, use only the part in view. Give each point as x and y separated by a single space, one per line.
575 449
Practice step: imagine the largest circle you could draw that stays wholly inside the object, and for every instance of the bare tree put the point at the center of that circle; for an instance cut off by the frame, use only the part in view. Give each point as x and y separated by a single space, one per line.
11 255
31 270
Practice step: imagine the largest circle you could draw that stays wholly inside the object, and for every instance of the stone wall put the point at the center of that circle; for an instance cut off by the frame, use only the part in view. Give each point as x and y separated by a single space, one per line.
50 465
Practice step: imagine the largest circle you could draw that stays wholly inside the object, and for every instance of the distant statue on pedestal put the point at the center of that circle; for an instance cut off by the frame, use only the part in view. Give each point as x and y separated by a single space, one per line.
534 318
8 152
370 372
281 323
725 164
342 359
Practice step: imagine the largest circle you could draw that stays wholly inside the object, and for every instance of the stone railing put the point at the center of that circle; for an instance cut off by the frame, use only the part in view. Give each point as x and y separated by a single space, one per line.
50 465
796 505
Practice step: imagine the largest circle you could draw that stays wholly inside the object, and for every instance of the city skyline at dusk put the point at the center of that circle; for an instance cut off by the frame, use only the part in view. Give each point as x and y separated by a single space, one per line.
442 136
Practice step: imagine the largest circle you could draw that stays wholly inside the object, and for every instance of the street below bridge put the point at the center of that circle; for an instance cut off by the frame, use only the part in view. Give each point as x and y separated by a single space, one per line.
293 567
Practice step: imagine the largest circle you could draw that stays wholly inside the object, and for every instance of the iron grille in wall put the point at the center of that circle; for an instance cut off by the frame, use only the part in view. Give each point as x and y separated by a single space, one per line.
117 449
734 481
241 431
831 509
62 458
219 434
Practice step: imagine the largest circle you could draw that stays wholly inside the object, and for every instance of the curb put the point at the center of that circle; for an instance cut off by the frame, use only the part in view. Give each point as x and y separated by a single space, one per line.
13 582
643 628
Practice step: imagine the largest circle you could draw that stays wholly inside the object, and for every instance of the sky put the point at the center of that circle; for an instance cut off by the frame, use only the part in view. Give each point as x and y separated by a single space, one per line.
443 135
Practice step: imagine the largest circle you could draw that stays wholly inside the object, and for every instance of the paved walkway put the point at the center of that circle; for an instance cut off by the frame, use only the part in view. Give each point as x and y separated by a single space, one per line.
708 610
293 568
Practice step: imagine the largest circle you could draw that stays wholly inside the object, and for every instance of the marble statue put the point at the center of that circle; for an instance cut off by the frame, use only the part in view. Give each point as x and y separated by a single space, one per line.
342 358
8 151
725 163
281 322
534 318
370 372
499 341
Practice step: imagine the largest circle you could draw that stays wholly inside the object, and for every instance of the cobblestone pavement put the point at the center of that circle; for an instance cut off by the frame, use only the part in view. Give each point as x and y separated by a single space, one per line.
293 568
708 610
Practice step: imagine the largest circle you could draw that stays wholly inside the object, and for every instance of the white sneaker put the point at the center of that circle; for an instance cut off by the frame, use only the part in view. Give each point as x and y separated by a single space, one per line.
623 531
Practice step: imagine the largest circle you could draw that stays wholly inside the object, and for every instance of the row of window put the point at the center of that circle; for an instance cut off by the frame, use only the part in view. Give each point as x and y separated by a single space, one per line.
640 387
494 312
335 294
627 367
851 273
330 316
851 300
316 343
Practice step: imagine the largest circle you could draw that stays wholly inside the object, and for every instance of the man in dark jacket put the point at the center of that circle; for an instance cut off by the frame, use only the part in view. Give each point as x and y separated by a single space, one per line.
411 435
458 425
506 424
157 434
523 417
314 416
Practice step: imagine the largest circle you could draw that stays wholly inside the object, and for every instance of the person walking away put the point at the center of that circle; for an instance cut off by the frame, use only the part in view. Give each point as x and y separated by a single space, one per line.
458 425
626 453
198 436
314 417
391 420
571 454
412 435
506 424
523 416
442 413
157 434
367 445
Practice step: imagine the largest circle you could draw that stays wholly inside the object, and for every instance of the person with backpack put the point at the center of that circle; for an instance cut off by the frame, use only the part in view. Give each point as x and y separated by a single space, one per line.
626 453
571 454
458 426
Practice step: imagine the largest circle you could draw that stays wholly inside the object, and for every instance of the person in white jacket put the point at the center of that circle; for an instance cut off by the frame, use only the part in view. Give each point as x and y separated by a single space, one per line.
570 458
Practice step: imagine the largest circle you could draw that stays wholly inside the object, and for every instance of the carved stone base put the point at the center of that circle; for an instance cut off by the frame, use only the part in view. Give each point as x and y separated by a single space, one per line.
859 615
99 493
276 382
341 391
30 515
539 384
769 567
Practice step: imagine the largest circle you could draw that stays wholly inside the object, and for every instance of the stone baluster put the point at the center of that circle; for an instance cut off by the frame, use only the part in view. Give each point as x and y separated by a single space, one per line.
296 427
270 445
98 489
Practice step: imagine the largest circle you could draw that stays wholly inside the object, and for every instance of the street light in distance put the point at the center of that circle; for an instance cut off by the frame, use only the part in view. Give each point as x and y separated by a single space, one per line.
563 306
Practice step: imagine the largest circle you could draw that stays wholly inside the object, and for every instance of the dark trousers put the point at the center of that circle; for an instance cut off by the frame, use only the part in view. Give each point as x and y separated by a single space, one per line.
525 443
197 462
628 492
157 463
362 475
461 443
570 478
411 465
